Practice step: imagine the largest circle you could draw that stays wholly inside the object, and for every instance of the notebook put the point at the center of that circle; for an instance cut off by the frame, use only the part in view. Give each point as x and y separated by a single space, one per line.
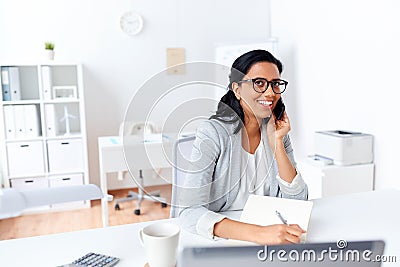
262 210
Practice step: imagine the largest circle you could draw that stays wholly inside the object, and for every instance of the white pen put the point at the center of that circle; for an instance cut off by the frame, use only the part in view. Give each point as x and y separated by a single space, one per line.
283 220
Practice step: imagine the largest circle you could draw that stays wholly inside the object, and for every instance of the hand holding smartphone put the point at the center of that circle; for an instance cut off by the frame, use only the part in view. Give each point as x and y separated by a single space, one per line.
279 109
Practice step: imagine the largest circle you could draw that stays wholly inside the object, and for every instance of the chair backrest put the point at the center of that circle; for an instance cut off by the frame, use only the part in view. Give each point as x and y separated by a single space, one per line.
181 156
136 128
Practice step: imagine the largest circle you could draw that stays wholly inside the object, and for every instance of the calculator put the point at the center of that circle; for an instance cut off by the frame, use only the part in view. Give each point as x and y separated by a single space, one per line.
93 260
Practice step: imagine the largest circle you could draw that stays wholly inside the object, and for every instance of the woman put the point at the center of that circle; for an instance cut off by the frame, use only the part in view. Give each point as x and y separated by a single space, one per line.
243 149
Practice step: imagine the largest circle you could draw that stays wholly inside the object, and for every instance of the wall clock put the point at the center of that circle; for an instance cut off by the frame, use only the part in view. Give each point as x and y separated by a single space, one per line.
131 23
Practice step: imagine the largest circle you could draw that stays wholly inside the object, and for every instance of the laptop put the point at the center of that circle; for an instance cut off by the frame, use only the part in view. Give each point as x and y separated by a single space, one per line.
342 253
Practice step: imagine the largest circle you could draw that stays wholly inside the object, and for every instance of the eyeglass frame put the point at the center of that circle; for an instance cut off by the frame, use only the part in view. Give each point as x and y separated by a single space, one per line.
268 84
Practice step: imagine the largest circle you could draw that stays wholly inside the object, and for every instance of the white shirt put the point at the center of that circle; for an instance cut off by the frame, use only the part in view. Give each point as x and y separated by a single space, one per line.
254 176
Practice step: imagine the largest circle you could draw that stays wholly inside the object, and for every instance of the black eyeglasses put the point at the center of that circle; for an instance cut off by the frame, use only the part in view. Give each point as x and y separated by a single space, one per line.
260 85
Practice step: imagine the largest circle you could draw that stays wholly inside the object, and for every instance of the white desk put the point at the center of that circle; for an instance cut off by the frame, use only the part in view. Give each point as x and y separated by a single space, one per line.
113 152
360 216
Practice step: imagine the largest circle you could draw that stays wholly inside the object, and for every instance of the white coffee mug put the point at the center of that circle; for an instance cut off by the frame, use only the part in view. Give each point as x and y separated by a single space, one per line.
160 241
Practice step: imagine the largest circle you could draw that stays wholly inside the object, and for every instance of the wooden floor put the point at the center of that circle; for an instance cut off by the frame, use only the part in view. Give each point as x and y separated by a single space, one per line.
66 221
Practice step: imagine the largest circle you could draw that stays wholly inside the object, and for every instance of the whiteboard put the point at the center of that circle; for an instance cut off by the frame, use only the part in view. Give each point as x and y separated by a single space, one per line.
226 54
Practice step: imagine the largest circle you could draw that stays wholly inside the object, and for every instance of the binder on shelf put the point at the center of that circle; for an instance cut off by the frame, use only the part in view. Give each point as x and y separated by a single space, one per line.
47 82
51 120
19 116
31 121
5 84
9 122
15 87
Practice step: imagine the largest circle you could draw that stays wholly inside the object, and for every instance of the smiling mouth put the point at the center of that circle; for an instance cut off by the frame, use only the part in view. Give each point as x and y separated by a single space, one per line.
265 103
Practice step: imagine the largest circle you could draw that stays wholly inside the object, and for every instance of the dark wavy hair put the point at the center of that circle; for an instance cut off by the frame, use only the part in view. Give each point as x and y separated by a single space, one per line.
229 109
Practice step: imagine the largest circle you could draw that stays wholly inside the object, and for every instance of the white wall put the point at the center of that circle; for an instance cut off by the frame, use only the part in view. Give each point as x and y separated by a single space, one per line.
340 56
342 59
116 65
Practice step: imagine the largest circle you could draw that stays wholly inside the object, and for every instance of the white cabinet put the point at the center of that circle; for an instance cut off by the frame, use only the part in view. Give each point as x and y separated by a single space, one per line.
29 184
66 180
25 158
42 125
331 180
59 150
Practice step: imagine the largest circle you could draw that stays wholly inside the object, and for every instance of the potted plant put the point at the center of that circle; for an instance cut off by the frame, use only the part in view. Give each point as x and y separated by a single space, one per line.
49 48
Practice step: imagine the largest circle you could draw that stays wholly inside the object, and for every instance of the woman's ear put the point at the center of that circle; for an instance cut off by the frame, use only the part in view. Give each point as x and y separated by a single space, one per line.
236 90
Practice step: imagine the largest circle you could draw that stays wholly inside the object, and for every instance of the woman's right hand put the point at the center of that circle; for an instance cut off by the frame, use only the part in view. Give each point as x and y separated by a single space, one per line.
263 235
279 234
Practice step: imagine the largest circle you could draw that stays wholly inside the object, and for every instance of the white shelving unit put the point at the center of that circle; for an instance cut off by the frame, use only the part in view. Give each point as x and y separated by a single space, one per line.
43 131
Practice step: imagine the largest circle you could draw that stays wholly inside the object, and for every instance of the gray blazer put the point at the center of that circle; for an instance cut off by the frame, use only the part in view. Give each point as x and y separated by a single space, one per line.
212 181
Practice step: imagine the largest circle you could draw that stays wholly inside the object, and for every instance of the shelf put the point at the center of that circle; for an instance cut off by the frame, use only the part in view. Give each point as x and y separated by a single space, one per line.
21 140
45 175
61 101
21 102
51 174
47 101
34 175
28 63
43 138
61 137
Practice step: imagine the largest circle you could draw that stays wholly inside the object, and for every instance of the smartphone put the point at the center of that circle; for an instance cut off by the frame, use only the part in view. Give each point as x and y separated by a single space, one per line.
279 109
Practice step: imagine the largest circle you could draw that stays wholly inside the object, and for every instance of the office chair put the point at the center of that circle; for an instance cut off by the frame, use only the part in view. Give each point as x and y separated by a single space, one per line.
141 128
181 155
134 128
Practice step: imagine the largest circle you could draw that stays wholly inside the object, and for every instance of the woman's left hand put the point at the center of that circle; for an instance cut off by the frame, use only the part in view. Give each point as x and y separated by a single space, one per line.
277 129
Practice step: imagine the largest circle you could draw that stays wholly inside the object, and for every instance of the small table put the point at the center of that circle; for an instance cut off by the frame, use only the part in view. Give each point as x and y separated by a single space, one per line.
151 152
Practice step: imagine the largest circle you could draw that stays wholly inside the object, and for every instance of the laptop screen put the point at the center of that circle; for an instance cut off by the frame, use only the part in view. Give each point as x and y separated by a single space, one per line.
362 253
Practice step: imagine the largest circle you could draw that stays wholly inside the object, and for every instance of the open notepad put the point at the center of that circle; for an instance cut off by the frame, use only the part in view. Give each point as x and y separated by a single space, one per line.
261 210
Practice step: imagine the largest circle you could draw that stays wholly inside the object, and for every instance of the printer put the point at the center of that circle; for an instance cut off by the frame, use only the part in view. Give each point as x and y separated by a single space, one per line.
344 147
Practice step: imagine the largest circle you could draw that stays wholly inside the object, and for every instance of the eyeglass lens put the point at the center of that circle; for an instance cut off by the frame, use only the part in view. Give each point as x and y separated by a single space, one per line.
261 85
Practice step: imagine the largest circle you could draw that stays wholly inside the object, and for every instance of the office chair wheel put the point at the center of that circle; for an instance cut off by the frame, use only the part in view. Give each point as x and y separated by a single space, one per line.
117 207
163 205
137 211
